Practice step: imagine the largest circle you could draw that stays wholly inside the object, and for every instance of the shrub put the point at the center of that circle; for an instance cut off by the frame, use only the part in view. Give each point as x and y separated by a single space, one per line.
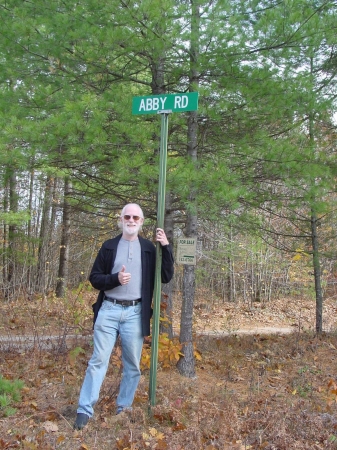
9 394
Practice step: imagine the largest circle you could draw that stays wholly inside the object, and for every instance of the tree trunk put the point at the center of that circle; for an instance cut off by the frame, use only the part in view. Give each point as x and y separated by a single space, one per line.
31 246
158 87
63 272
5 238
186 364
317 274
12 237
44 241
10 205
314 236
166 325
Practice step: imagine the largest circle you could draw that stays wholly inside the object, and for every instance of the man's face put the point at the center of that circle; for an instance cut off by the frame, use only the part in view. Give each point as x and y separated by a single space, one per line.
131 221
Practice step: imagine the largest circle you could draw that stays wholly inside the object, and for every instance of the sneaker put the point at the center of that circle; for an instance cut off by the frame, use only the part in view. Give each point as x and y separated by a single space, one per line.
81 421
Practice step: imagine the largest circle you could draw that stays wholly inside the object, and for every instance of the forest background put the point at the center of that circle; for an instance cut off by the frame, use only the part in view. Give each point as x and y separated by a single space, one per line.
251 174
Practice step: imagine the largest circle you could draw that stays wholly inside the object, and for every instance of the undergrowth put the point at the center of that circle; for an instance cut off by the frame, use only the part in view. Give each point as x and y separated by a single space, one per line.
9 394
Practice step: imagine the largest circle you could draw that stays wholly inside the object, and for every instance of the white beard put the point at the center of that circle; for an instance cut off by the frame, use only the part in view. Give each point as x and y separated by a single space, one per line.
131 229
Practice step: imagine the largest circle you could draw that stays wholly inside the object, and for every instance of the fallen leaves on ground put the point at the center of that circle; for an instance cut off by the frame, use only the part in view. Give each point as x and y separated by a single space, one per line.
252 391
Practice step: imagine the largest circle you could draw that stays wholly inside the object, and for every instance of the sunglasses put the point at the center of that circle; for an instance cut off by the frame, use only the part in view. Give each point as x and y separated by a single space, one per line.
128 217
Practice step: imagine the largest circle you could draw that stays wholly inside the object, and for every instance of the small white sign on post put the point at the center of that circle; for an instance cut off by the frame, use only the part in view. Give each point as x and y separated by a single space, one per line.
186 251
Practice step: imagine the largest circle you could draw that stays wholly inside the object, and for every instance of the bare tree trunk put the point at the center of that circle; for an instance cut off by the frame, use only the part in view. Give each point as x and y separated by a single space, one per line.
31 249
166 325
42 266
58 193
5 238
317 274
63 272
314 237
186 364
158 87
230 271
12 237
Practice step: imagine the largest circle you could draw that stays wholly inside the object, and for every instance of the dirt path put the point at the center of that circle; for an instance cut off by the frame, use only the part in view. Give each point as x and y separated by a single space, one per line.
253 330
278 317
24 343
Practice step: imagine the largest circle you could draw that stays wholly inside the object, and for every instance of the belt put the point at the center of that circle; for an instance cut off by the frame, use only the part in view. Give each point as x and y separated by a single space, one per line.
123 302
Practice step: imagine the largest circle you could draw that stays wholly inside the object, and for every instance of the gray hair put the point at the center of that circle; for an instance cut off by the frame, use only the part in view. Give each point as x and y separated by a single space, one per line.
132 204
120 226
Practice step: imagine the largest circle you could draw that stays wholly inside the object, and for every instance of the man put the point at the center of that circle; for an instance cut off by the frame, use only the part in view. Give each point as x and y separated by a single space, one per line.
124 273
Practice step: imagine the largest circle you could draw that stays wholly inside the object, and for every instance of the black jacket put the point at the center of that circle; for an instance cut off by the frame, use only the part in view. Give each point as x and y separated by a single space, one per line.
102 279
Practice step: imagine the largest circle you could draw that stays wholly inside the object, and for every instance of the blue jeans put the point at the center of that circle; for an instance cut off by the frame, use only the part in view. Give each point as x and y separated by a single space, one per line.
113 320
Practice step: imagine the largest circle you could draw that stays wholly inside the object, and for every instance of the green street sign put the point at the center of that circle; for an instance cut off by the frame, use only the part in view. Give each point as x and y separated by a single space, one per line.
153 104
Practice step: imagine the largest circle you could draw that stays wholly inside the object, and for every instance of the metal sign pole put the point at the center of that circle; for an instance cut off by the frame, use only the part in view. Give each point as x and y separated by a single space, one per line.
157 284
163 104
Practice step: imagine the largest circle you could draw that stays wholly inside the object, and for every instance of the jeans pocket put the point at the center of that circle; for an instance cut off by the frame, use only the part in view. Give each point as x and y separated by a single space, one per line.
138 308
107 305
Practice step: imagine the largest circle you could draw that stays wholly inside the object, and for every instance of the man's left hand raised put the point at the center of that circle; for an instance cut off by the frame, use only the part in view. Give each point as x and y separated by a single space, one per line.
161 237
